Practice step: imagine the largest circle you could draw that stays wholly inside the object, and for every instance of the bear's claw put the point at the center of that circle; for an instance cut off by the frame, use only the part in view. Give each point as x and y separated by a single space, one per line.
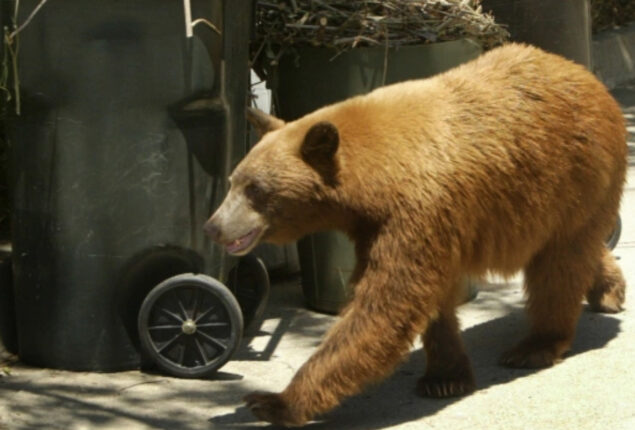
442 388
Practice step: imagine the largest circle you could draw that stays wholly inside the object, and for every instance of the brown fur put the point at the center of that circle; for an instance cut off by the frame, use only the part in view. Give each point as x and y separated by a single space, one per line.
513 161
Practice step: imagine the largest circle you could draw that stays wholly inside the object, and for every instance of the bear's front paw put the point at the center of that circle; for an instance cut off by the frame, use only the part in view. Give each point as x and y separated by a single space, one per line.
273 408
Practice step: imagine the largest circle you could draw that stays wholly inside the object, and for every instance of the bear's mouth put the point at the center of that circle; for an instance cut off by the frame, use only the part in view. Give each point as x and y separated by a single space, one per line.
244 244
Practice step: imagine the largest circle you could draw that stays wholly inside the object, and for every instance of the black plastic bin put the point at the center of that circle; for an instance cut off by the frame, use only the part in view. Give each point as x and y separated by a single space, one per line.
112 180
562 27
8 337
316 78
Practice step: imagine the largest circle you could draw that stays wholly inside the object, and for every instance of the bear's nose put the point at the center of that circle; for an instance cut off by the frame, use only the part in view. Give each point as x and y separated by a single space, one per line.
212 230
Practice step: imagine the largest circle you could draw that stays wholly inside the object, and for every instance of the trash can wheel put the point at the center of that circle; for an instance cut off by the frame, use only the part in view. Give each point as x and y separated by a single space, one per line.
190 325
614 237
249 282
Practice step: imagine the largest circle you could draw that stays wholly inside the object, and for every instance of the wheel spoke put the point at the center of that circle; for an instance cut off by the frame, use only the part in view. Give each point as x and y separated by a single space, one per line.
212 324
171 314
213 341
182 308
165 327
197 297
201 351
169 342
204 314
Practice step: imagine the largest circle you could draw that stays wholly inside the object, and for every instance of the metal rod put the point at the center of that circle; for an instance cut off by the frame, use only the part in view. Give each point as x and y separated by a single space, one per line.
187 8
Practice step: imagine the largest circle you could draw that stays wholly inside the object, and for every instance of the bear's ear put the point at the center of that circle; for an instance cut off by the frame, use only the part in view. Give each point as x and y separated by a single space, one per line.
320 143
262 122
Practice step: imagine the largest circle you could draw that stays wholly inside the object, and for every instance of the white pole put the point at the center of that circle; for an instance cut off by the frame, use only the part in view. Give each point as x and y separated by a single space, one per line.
188 18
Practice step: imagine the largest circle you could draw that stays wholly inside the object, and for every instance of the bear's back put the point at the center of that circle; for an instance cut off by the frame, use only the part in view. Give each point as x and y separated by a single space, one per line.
515 145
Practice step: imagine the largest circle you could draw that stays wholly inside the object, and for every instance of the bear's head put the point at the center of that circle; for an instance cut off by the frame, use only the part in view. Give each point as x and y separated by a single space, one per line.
282 189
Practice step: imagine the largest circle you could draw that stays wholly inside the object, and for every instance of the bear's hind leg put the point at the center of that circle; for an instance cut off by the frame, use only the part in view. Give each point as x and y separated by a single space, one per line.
448 369
609 288
556 280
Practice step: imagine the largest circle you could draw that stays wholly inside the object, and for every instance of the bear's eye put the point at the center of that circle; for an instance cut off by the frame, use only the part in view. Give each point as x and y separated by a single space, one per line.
256 194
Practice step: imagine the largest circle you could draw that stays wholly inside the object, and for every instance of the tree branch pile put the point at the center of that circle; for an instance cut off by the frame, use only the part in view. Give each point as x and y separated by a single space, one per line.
282 25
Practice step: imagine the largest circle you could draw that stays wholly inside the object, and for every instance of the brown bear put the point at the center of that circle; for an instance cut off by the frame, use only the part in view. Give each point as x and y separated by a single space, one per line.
515 160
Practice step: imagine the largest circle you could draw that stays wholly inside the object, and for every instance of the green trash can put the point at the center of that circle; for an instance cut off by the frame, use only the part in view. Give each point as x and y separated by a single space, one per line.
327 260
316 78
561 27
112 181
8 334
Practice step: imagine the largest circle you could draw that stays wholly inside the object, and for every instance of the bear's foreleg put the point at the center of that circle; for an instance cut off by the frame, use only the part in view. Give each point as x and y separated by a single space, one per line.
375 332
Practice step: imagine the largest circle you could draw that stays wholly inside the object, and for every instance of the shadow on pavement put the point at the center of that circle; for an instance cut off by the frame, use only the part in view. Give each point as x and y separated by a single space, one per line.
394 401
157 401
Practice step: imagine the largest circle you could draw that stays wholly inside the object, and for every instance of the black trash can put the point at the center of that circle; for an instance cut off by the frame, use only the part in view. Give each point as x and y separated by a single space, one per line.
112 182
562 27
8 336
327 259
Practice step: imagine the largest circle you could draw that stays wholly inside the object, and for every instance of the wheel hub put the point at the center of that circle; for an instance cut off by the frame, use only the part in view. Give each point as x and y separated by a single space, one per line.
188 326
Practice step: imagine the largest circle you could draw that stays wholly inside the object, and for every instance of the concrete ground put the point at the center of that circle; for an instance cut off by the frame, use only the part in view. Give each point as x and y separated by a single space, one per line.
593 388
